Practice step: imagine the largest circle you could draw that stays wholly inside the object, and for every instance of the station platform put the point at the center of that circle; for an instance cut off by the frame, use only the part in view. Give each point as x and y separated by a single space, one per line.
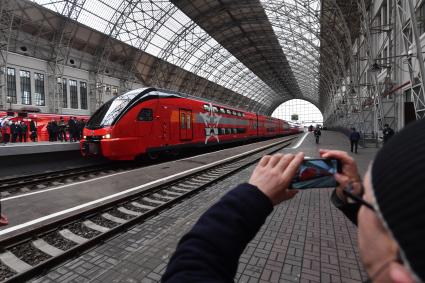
305 239
28 148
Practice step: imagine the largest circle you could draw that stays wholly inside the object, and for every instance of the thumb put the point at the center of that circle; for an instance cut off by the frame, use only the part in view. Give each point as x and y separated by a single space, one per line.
399 274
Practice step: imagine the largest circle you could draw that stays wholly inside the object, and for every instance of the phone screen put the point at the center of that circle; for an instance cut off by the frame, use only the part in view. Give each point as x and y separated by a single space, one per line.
316 173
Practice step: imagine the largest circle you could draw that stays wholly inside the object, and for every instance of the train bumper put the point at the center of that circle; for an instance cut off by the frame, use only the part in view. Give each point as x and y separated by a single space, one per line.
90 148
114 149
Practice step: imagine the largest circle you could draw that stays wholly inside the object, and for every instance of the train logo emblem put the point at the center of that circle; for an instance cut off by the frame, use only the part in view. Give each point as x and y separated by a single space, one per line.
211 121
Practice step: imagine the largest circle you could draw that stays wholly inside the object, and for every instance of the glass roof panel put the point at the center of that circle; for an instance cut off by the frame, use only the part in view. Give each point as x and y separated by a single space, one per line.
296 25
159 28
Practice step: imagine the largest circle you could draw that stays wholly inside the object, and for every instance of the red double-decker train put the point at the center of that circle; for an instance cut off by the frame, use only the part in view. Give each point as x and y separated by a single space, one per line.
150 121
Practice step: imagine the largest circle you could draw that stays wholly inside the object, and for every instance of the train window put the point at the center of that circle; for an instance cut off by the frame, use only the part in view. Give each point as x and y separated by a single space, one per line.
188 120
234 113
206 107
228 131
222 110
235 131
146 114
182 121
215 109
241 130
222 131
229 112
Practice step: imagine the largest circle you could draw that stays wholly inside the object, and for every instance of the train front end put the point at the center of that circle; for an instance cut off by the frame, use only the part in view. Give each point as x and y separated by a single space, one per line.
104 135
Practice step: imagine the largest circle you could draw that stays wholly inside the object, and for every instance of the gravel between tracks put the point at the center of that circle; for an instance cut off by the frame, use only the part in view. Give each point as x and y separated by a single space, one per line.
80 230
119 214
5 272
29 254
99 220
56 240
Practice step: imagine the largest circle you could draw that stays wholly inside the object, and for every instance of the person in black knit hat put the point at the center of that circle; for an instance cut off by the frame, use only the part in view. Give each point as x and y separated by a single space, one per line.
388 206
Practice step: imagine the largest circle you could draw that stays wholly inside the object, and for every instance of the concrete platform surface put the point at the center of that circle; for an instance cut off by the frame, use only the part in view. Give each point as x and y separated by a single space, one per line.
305 239
25 148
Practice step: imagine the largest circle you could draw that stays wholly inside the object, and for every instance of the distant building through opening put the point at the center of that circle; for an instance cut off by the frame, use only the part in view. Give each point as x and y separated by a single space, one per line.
299 111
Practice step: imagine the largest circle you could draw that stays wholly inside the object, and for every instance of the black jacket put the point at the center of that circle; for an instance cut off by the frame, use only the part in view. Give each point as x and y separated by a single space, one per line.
210 251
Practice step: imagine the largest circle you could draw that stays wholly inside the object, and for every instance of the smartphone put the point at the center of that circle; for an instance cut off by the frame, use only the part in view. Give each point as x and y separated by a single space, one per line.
316 173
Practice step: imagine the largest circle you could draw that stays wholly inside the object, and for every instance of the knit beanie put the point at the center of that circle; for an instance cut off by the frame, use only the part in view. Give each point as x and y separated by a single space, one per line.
398 180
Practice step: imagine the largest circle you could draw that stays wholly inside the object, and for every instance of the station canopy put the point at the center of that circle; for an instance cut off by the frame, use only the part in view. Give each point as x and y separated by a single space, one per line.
266 50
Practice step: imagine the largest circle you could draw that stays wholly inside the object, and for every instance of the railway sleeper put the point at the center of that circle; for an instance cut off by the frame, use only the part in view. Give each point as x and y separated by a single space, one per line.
91 225
194 182
185 185
67 234
178 189
142 206
171 193
46 248
13 262
203 178
158 195
158 202
129 212
113 218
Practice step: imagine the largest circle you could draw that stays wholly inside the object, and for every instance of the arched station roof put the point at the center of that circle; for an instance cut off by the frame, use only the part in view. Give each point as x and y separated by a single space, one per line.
256 54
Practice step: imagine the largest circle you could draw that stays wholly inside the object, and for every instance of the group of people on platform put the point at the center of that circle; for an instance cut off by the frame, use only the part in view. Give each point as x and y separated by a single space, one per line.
57 130
13 132
19 131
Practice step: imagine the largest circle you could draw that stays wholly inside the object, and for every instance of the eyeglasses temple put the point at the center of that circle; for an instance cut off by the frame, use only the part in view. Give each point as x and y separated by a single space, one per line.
358 199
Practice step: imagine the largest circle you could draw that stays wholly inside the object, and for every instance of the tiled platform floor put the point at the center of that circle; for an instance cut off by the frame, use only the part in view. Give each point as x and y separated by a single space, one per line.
303 240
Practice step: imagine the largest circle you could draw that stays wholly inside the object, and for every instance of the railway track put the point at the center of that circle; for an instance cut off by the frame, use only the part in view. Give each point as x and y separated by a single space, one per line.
12 186
26 255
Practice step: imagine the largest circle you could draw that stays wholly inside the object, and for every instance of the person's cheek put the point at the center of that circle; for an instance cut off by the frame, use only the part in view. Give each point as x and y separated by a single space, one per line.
362 235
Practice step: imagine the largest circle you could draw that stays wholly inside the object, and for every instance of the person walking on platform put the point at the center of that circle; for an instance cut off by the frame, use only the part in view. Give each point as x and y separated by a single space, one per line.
317 134
62 130
33 131
387 132
19 132
388 207
24 132
71 129
77 129
55 129
49 128
13 132
81 128
6 132
354 139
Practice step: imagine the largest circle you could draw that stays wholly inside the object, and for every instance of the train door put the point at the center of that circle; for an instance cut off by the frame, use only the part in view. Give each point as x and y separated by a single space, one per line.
146 118
186 125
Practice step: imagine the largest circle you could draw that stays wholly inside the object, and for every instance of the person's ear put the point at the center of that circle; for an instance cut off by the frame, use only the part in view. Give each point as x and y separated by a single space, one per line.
400 274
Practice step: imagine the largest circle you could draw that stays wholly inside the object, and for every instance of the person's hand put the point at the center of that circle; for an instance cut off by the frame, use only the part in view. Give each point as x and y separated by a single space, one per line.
349 172
274 174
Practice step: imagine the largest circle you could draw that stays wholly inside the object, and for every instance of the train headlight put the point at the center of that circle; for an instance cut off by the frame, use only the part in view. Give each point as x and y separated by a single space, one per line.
107 136
84 137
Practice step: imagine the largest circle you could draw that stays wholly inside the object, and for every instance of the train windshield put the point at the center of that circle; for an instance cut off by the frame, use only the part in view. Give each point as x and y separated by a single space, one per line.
107 113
